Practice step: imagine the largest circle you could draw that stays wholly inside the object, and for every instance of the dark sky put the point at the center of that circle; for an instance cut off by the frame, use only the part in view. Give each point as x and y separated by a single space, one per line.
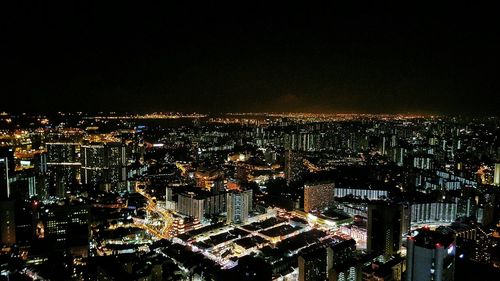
144 56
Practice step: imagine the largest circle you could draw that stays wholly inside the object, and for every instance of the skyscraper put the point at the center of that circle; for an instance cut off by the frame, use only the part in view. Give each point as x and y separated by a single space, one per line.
6 171
104 163
312 265
190 204
63 226
93 157
63 165
293 166
431 255
238 206
7 222
496 179
384 228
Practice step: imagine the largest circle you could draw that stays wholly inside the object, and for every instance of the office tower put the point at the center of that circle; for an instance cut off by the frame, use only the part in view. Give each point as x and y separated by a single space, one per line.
293 166
239 203
384 228
63 226
6 171
312 265
496 179
318 196
431 255
7 222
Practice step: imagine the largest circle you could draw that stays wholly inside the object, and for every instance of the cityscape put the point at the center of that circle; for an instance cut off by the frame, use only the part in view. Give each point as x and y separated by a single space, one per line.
169 196
160 140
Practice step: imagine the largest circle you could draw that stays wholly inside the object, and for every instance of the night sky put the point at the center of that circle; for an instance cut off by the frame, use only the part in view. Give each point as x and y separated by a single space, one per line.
142 56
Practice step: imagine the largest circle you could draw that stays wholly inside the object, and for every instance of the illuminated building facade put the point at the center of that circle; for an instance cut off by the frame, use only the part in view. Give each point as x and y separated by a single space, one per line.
434 212
6 171
496 176
318 196
200 205
93 158
368 193
104 163
63 166
294 166
191 205
238 206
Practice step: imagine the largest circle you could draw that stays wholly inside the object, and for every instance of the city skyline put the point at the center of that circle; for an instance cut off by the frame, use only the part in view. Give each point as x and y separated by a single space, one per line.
253 141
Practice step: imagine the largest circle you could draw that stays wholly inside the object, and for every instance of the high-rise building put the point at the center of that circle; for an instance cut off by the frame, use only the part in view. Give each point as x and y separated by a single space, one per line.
434 212
190 204
215 204
349 270
385 222
104 163
7 222
318 196
330 260
496 178
62 153
23 185
6 171
199 205
93 160
117 162
63 166
430 255
312 265
63 226
168 194
238 206
294 166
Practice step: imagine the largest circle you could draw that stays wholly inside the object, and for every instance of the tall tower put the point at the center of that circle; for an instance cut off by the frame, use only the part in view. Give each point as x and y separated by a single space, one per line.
238 206
7 222
496 179
430 256
293 166
63 165
312 265
384 228
104 163
6 171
